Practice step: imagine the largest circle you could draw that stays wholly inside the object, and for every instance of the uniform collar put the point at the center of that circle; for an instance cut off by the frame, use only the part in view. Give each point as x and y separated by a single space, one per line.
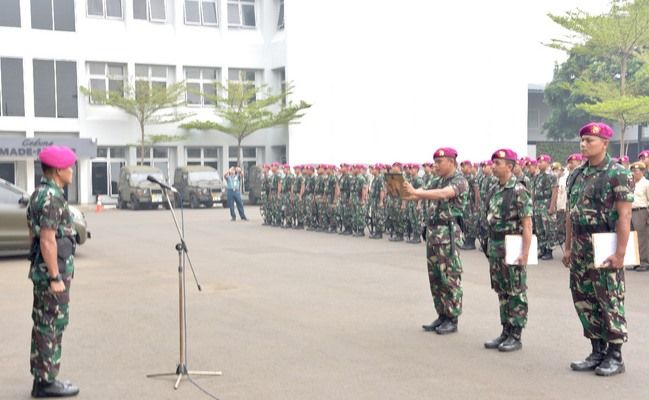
50 183
511 182
605 163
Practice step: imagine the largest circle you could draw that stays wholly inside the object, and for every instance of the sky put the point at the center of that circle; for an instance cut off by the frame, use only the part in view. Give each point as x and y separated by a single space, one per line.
540 59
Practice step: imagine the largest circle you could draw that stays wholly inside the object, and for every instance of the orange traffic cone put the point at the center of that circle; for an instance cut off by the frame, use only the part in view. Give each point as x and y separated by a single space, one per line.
99 207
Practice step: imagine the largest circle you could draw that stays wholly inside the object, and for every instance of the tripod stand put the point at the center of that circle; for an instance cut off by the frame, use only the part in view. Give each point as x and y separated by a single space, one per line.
182 370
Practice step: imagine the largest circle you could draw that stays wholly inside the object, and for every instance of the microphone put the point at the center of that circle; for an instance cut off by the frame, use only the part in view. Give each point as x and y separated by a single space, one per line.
163 185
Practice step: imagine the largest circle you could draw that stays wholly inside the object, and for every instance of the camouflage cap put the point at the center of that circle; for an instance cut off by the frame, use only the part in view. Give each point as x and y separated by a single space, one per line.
638 165
57 156
556 165
505 154
598 129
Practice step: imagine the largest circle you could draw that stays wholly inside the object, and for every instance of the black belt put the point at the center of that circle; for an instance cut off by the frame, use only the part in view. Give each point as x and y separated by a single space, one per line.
501 235
588 229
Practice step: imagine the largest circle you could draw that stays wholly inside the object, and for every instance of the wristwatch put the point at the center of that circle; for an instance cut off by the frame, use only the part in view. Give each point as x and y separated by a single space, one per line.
56 278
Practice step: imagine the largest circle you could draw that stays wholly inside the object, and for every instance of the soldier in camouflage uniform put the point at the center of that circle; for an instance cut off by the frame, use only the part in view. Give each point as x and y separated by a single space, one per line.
297 193
358 199
643 157
286 194
318 211
600 194
520 175
544 195
471 211
443 236
331 197
265 193
376 207
509 212
53 242
309 201
344 200
274 205
413 207
487 183
395 221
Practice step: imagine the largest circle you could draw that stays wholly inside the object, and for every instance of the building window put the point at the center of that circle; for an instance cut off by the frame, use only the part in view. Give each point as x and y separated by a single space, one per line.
245 76
8 171
10 13
281 77
105 8
203 156
201 12
152 77
280 18
156 156
533 119
107 77
152 10
200 85
241 13
55 15
105 170
55 89
12 89
248 160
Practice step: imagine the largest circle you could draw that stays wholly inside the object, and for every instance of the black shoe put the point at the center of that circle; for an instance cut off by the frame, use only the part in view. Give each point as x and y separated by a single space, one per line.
414 241
448 326
594 359
613 363
396 239
547 255
244 219
54 389
469 244
376 236
631 267
433 325
493 344
642 268
513 341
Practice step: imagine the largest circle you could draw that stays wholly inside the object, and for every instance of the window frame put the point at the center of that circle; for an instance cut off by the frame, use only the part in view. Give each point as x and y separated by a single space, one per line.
201 81
280 13
3 113
56 88
203 159
149 17
106 77
201 17
105 11
244 70
240 4
19 18
150 79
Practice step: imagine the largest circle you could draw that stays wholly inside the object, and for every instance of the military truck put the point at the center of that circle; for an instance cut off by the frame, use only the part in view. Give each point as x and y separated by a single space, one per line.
135 191
198 185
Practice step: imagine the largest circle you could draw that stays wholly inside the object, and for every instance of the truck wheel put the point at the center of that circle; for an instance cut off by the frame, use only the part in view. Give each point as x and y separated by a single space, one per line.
193 202
135 205
209 204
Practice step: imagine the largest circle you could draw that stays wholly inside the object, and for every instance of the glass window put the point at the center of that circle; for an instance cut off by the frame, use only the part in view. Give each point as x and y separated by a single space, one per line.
241 13
211 152
102 152
280 18
200 84
245 76
8 171
41 11
250 152
192 73
192 12
55 89
200 12
114 8
118 152
139 9
66 89
157 10
10 15
160 152
107 77
12 89
96 7
209 12
64 15
193 93
193 152
44 90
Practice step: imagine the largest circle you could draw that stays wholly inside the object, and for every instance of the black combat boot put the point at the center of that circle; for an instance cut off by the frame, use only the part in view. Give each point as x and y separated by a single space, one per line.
448 326
54 389
469 244
493 344
613 363
376 235
594 359
547 255
414 240
433 325
396 238
513 341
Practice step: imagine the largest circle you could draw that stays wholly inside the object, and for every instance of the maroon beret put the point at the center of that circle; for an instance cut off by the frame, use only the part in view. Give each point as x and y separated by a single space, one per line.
505 154
57 156
445 152
544 157
597 129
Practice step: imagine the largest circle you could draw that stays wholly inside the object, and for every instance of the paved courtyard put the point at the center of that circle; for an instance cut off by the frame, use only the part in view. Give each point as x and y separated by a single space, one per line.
300 315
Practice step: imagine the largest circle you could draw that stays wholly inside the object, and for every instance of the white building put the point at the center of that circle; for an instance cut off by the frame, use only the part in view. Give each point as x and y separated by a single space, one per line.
388 80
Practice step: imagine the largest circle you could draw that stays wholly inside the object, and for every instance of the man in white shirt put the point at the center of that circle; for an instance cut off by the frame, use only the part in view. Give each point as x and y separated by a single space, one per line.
640 214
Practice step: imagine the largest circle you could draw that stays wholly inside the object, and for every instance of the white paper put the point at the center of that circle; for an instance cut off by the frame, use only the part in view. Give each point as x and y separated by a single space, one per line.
514 248
604 245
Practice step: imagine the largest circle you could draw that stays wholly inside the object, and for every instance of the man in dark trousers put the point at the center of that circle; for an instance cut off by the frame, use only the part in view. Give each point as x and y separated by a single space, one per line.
233 185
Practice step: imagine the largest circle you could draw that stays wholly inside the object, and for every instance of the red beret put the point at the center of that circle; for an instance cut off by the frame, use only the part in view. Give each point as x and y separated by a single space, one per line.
531 162
274 164
488 163
466 162
597 129
644 153
544 157
575 157
57 156
505 154
624 159
397 164
414 165
445 152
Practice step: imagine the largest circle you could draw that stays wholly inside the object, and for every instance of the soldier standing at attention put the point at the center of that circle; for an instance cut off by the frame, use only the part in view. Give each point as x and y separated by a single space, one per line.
344 202
443 236
52 236
376 202
296 198
471 211
600 194
309 198
358 196
544 195
286 195
318 211
488 182
273 198
413 207
265 194
509 212
332 196
520 175
395 215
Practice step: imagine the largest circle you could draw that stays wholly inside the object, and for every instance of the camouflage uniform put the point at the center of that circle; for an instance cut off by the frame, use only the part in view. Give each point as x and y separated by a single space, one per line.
344 202
358 206
376 210
544 223
320 203
427 183
443 236
310 210
412 212
287 210
330 201
50 313
487 183
297 202
508 281
471 215
265 203
597 293
395 218
274 205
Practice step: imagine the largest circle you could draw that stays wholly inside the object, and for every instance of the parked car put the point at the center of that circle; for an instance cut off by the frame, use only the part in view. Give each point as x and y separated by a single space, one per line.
14 234
198 185
135 191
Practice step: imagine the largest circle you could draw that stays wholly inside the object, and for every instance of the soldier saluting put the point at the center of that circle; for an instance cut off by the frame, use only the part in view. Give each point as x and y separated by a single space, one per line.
509 212
443 236
52 235
600 194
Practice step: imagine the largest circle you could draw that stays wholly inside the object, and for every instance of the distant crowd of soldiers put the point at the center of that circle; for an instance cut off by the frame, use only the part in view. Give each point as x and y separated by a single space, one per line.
351 199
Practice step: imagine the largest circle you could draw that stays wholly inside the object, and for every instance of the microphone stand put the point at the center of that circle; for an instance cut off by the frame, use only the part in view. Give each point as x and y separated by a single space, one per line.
182 371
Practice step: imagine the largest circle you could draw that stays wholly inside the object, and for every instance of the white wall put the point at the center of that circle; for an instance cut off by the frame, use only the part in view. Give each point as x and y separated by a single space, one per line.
395 80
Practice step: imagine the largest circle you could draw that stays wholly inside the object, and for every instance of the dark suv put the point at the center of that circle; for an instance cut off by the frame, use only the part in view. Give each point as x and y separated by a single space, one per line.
198 185
136 191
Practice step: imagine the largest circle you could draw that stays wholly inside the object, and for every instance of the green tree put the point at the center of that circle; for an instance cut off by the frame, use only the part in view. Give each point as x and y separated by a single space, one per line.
244 109
619 36
146 102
